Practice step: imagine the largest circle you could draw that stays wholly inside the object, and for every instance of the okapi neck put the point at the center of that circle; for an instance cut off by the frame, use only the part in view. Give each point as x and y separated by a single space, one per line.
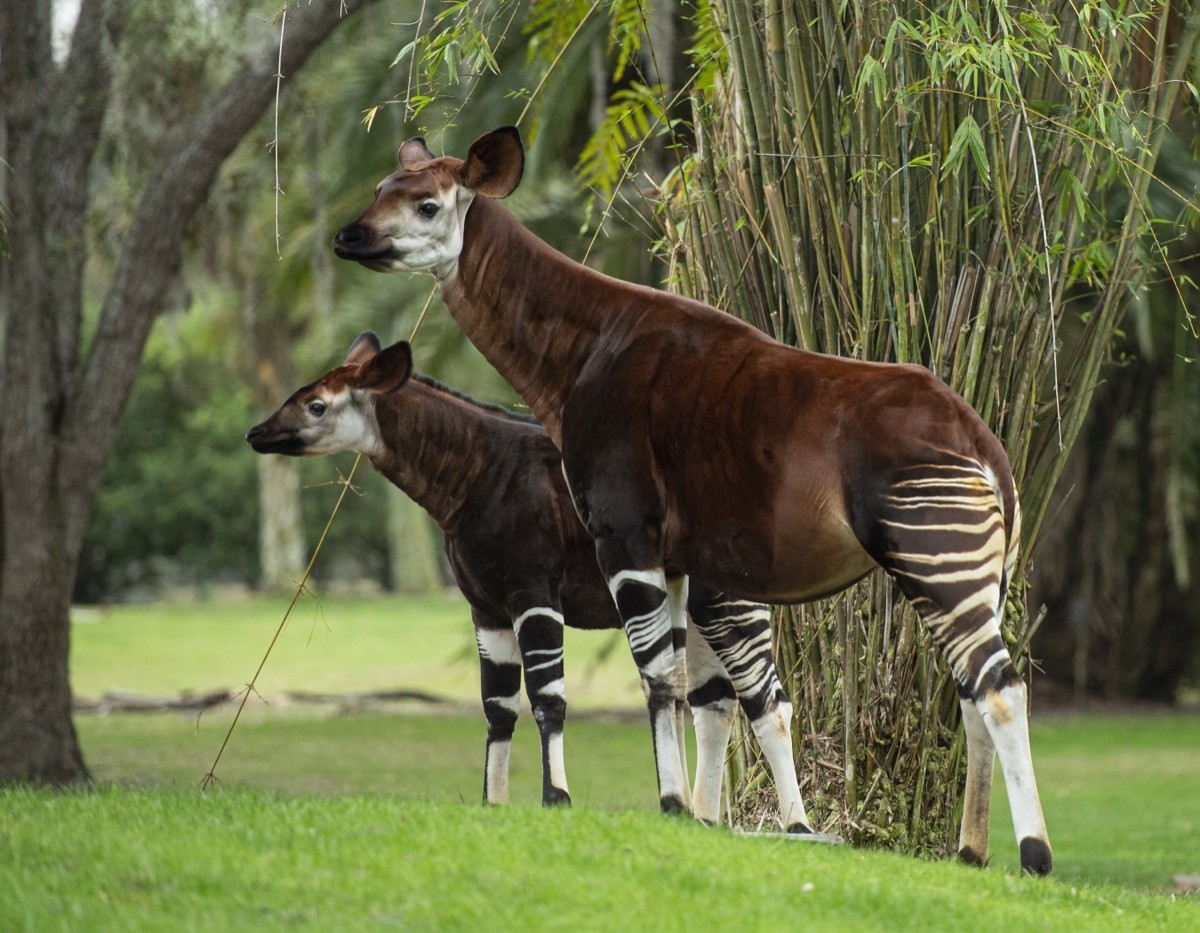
528 309
434 446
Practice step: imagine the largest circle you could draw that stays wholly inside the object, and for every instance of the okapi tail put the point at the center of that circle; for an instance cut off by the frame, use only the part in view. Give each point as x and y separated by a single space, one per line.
1006 496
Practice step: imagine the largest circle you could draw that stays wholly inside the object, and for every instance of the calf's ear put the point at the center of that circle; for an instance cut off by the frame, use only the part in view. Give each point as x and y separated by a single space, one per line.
494 163
387 370
365 346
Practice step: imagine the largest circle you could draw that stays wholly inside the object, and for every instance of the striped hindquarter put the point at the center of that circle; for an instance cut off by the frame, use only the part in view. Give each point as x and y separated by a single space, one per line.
948 536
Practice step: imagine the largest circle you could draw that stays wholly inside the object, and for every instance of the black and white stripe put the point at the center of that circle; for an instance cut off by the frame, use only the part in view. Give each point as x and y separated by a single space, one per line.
500 683
539 632
653 613
733 656
951 545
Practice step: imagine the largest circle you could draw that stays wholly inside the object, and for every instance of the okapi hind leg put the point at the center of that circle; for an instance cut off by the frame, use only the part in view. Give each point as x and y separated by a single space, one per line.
738 632
539 632
941 534
713 701
981 759
500 683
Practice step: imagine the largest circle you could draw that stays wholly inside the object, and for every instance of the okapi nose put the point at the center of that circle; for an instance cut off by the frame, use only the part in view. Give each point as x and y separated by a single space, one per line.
255 433
352 235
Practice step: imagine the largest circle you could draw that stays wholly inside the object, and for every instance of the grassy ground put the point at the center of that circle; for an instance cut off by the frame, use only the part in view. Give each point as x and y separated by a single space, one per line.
338 645
370 820
129 860
1122 795
438 758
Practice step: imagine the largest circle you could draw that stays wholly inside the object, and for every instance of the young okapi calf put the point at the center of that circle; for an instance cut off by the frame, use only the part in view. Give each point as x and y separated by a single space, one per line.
493 482
695 444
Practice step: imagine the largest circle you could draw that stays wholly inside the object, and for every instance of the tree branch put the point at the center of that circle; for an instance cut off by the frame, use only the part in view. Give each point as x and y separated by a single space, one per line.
153 249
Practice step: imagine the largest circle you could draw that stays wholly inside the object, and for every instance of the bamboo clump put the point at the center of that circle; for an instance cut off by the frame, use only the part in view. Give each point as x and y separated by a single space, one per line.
884 182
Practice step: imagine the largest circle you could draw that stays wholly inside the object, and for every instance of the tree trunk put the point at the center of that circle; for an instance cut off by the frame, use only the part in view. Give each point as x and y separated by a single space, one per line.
280 531
412 551
63 409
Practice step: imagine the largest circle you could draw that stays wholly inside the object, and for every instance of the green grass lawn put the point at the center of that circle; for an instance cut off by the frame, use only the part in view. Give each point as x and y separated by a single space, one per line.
438 758
338 645
128 860
332 821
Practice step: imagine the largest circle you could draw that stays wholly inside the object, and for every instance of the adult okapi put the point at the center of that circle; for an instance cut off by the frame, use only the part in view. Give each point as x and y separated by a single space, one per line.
493 482
694 444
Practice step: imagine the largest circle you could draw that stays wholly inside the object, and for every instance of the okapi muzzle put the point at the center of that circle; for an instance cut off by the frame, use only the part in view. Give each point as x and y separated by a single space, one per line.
270 438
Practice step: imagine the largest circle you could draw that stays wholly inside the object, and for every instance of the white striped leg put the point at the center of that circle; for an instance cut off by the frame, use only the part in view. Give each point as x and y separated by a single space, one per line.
713 699
1006 720
981 759
540 635
644 603
739 632
500 682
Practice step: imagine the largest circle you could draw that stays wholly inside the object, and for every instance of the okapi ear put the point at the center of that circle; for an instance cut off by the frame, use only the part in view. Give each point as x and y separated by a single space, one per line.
365 346
412 151
388 370
494 163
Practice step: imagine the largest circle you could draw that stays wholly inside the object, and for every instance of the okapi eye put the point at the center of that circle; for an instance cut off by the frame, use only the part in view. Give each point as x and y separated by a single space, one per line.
317 409
428 209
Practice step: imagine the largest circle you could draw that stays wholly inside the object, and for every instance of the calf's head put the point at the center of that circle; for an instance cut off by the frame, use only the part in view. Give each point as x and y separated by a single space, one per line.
416 222
337 412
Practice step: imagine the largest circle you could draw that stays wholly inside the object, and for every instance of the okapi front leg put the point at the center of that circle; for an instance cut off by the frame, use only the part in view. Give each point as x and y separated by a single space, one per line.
739 632
500 681
677 596
540 636
644 601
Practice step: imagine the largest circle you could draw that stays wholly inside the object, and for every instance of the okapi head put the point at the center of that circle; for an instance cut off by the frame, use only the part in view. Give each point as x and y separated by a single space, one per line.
337 412
416 222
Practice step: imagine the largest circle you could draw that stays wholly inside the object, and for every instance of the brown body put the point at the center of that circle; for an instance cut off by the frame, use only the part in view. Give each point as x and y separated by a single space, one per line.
763 460
694 444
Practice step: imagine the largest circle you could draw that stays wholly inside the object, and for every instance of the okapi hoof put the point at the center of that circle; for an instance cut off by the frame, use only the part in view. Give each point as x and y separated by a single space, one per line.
970 857
556 797
672 804
799 829
1035 857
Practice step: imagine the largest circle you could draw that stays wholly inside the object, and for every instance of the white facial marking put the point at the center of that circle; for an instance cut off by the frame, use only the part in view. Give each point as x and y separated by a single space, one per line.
348 423
425 243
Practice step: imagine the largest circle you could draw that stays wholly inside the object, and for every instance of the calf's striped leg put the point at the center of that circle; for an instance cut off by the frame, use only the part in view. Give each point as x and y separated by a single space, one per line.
943 537
648 604
500 681
739 634
539 631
